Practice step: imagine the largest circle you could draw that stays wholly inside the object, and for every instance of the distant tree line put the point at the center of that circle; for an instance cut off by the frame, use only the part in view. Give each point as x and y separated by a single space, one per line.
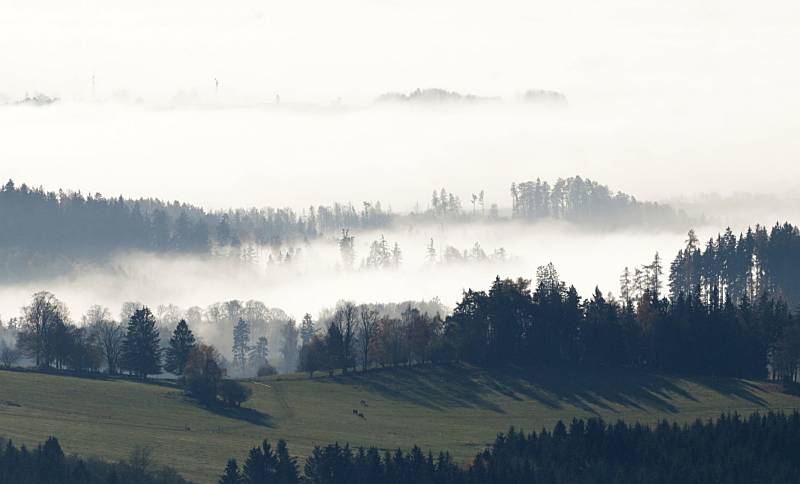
760 448
432 96
42 230
47 464
45 232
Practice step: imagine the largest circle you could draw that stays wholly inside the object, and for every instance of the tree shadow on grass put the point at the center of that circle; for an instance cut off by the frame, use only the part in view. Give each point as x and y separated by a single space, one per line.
595 391
741 389
432 387
244 414
443 387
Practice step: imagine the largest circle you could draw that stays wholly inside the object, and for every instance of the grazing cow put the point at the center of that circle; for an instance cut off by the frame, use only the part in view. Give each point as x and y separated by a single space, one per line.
361 415
355 412
364 403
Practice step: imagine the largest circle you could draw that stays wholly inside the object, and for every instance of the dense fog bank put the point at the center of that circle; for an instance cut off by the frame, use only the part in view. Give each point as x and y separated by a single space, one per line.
315 278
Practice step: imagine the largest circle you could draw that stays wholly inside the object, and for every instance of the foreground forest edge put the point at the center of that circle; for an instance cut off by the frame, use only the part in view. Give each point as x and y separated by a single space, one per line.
757 448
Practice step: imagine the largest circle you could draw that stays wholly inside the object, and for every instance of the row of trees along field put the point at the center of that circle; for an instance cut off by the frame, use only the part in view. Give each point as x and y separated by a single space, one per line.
513 322
51 231
50 340
760 448
550 324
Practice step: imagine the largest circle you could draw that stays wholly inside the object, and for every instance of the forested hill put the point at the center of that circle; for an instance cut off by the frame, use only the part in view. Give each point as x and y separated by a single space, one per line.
53 231
583 201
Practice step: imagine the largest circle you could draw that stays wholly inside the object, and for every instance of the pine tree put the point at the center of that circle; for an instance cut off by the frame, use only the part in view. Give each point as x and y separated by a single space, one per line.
655 271
286 469
241 339
231 475
397 255
347 249
307 329
289 349
431 253
626 286
180 346
141 347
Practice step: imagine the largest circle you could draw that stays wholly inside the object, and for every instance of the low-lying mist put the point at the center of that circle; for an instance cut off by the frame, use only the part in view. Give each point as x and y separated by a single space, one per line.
315 279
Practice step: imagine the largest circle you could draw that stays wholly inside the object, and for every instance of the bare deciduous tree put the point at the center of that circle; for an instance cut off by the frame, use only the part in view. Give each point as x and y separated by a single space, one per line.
368 324
9 356
110 336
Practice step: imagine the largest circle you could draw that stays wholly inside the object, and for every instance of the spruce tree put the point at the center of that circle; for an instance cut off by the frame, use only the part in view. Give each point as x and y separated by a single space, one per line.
307 329
241 339
180 346
231 475
141 348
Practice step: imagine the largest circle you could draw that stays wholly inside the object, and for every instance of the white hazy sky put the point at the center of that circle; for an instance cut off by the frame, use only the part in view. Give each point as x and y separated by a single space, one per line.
355 49
666 98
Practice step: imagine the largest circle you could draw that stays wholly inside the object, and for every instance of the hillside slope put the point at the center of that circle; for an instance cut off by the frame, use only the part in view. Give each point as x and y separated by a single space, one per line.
455 408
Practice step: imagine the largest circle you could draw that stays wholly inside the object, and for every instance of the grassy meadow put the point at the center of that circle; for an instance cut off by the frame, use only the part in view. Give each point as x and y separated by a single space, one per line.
455 408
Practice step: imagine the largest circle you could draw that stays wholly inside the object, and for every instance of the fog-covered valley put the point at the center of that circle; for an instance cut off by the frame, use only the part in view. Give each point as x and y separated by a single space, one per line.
314 278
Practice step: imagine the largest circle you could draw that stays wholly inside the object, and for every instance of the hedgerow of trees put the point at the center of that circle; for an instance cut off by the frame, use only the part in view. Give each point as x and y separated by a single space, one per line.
47 337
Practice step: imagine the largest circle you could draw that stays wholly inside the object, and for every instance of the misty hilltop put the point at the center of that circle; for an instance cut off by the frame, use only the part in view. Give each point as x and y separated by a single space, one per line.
45 232
433 96
437 96
37 99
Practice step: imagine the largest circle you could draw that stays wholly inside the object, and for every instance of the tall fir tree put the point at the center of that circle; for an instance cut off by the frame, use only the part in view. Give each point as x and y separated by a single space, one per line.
241 340
180 346
141 347
231 474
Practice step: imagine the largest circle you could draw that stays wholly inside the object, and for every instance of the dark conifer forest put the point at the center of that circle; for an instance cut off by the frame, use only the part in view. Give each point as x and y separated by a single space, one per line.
48 464
731 449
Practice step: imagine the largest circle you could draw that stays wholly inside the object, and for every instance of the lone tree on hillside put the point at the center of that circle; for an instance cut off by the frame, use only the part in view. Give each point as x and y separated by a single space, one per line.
180 346
141 349
203 373
42 322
